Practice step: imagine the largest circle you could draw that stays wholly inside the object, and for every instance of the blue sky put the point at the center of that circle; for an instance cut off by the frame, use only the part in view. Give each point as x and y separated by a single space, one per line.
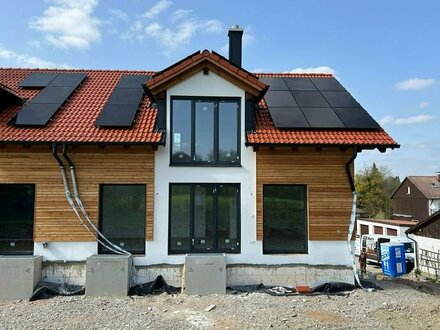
386 53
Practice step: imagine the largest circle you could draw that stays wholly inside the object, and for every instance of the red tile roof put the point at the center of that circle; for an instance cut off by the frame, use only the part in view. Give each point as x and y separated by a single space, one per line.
75 121
267 134
200 58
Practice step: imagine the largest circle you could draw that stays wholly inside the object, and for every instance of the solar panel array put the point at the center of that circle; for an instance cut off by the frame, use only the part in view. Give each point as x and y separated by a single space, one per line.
122 106
57 89
320 103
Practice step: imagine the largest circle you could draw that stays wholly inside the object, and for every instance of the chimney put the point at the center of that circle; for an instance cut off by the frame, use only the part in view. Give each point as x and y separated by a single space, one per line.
437 176
235 44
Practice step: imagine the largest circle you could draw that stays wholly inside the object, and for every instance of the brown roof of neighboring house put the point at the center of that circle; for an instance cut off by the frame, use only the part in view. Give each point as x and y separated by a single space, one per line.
400 223
428 186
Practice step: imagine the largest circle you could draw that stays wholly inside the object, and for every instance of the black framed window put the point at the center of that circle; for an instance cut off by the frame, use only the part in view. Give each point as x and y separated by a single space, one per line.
204 218
122 216
285 219
205 131
17 218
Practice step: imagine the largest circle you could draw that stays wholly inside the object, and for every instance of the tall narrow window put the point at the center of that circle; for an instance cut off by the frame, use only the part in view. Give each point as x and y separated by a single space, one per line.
17 218
204 218
284 219
205 131
122 218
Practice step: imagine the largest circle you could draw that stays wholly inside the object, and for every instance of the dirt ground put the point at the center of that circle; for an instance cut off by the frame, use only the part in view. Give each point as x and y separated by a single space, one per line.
405 303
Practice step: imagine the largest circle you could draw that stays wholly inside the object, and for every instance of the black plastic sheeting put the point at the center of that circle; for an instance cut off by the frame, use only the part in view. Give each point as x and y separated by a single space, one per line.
46 290
272 290
334 287
157 286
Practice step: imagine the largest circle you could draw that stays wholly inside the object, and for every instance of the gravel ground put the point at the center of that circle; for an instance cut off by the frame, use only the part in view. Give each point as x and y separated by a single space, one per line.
402 304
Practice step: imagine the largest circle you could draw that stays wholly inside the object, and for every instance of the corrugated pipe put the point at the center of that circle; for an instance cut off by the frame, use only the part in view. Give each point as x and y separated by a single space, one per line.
353 214
118 249
69 196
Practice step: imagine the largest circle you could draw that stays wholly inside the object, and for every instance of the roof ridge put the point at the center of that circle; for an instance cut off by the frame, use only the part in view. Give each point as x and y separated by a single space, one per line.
290 74
80 70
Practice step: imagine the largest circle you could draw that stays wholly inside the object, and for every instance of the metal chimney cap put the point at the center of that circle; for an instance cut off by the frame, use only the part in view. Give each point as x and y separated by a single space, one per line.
235 27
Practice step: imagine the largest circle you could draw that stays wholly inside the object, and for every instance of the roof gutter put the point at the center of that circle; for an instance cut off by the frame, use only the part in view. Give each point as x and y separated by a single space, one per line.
347 169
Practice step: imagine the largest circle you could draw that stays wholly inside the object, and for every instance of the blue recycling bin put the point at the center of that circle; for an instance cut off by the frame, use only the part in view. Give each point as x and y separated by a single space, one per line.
393 259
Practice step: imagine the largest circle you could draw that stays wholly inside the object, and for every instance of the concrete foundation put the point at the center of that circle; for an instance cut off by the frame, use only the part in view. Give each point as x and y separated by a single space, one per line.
204 274
109 275
172 274
19 275
73 272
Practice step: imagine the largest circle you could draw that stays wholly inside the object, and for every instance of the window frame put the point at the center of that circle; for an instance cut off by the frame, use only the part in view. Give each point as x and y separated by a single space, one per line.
33 185
216 101
101 196
192 185
306 221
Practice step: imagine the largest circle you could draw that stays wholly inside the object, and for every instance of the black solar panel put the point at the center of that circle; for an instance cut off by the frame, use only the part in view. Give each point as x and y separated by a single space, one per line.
55 95
276 84
314 103
68 80
356 118
310 99
322 118
120 109
41 108
280 99
132 81
36 114
299 84
288 118
126 96
38 80
340 100
328 84
117 115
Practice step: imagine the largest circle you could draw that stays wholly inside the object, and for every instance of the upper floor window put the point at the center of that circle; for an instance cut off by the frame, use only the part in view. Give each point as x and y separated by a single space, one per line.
205 131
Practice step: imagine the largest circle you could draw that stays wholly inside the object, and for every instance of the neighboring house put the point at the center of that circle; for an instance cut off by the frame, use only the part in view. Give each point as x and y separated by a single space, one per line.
417 197
427 236
202 157
383 227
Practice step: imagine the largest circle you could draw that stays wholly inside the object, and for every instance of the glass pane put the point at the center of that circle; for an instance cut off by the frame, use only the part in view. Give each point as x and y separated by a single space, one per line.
203 218
227 131
227 218
17 218
180 218
284 219
123 216
204 131
181 135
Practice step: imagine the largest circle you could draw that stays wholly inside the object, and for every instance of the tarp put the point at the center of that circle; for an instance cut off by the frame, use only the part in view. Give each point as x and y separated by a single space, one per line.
333 287
272 290
46 290
157 286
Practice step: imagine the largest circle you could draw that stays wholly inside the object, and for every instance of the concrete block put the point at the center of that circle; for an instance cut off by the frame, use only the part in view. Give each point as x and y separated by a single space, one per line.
205 274
19 276
109 275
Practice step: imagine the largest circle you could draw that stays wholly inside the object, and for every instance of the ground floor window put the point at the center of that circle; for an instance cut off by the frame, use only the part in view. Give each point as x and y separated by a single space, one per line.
17 218
284 219
204 218
122 216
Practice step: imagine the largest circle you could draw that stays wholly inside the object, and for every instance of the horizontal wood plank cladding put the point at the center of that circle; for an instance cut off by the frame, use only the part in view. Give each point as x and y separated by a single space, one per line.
54 219
329 195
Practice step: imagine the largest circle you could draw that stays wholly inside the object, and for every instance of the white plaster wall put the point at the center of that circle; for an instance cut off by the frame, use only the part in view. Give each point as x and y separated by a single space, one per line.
426 243
320 252
66 251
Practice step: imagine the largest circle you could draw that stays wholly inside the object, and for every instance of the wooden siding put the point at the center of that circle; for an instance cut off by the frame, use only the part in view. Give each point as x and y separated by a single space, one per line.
414 204
329 194
54 219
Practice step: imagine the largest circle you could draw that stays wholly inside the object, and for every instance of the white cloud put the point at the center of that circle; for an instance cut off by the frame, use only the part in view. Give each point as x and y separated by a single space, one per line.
414 84
423 105
159 7
170 38
13 58
69 24
180 14
405 120
119 14
318 69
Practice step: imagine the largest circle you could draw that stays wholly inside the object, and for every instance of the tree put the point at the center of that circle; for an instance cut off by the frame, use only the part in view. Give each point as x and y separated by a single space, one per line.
375 186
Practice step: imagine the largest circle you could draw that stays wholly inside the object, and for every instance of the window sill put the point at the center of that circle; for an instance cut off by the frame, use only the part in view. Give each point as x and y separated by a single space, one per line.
204 165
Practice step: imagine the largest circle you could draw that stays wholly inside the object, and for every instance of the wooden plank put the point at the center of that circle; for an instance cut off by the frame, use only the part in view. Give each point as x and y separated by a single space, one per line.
54 219
328 189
